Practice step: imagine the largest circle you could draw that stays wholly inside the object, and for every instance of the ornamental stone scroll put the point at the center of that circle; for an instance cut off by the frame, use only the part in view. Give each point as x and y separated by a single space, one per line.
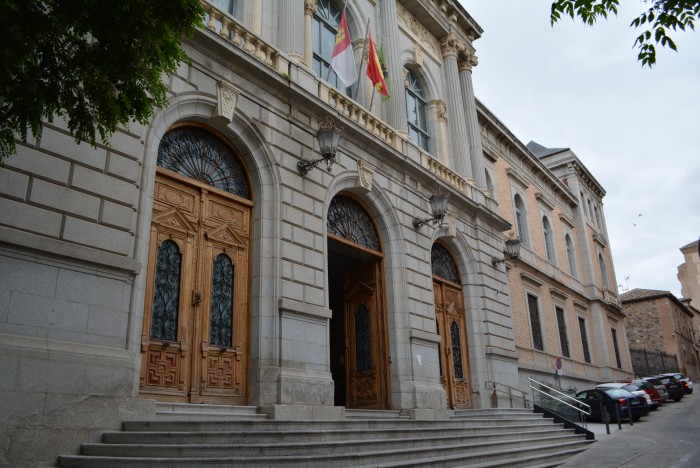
226 99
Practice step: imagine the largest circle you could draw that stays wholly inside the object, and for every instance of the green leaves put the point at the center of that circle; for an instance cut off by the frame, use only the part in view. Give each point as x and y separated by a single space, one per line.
97 64
662 16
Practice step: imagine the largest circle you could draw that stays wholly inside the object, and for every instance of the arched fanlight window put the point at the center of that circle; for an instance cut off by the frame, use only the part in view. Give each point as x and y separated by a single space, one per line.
548 241
443 264
520 219
324 25
348 220
416 109
198 154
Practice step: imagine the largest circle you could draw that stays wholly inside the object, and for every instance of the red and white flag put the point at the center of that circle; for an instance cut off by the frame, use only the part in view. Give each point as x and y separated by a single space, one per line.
343 60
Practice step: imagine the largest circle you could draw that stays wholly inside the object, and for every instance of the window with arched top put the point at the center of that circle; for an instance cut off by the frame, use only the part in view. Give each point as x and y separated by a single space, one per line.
571 255
200 155
603 271
416 109
520 219
347 219
443 264
324 25
548 239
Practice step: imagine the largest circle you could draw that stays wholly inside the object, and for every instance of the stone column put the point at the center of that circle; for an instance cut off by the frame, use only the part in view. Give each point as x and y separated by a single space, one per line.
310 7
396 106
291 36
456 124
438 114
466 63
256 17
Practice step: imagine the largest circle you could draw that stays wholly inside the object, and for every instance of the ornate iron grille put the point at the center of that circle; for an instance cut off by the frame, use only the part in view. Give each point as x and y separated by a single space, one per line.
443 264
363 350
221 314
456 350
197 154
166 292
347 219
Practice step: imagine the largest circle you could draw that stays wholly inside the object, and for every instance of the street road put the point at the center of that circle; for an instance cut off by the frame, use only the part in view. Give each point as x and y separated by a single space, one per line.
668 437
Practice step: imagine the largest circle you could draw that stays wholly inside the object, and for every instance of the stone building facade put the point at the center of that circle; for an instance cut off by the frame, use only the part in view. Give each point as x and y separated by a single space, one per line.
190 260
658 321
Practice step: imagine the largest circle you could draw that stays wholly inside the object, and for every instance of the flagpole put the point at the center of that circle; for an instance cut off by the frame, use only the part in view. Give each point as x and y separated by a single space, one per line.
362 61
345 6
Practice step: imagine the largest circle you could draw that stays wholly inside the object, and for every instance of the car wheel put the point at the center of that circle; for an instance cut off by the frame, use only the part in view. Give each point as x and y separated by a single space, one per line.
678 399
636 418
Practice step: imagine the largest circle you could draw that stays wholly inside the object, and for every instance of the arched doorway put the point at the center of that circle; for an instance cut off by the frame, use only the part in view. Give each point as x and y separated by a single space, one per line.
451 326
194 342
358 337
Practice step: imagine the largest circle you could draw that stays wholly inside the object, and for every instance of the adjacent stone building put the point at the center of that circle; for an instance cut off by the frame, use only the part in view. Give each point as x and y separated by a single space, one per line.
195 260
658 321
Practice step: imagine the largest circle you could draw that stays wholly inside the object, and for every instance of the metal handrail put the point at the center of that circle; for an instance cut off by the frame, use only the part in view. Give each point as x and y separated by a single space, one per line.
578 405
493 386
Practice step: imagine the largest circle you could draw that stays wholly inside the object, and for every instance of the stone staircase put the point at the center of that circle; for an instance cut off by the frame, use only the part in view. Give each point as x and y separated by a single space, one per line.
206 435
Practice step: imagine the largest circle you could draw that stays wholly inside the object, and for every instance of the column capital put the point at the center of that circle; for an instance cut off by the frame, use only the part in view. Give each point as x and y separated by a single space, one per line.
451 46
467 61
310 7
440 109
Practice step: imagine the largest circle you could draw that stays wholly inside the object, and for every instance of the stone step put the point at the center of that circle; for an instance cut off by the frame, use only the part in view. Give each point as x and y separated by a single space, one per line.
374 414
272 425
498 413
205 412
443 456
197 450
261 437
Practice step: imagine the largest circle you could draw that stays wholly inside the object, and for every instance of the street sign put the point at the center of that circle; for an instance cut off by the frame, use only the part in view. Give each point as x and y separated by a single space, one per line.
559 363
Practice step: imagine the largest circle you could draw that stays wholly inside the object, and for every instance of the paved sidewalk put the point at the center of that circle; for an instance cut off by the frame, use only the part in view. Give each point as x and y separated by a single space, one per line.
668 437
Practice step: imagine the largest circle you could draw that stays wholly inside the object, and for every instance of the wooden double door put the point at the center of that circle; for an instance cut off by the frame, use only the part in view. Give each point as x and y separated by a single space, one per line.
454 355
194 343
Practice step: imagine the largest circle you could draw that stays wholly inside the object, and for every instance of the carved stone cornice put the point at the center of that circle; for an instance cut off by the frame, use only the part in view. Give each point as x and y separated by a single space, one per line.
451 46
310 7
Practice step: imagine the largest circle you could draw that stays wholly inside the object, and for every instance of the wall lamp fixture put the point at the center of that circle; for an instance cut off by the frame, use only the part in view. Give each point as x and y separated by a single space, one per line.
438 204
328 136
512 251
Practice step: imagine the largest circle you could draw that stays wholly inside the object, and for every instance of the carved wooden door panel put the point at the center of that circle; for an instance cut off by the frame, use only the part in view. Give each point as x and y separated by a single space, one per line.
194 337
366 352
454 356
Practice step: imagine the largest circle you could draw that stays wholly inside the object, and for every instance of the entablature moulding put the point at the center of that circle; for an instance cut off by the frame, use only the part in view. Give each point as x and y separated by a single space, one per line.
260 63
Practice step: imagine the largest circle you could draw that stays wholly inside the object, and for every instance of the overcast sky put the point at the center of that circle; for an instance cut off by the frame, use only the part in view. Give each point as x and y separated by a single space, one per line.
637 130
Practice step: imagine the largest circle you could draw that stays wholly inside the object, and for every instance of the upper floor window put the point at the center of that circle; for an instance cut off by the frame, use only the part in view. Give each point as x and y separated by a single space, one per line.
228 6
597 216
324 26
548 241
563 336
603 271
520 219
584 339
571 255
617 348
416 109
489 183
534 310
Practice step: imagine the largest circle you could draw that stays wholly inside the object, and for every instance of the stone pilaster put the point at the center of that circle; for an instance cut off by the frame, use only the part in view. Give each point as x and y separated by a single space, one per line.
438 114
396 106
457 123
291 36
466 62
310 7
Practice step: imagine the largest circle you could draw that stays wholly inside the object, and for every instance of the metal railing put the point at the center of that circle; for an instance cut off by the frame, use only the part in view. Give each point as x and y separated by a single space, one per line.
561 398
504 389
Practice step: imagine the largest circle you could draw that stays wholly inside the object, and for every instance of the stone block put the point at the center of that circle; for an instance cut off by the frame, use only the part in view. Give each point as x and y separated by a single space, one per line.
8 371
119 216
122 167
28 277
109 381
13 184
30 218
98 236
92 289
61 143
105 186
5 297
47 312
38 375
64 199
105 321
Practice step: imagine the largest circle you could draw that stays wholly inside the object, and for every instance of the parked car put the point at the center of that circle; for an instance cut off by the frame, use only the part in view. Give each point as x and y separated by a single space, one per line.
633 389
650 390
609 398
685 381
674 388
659 386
